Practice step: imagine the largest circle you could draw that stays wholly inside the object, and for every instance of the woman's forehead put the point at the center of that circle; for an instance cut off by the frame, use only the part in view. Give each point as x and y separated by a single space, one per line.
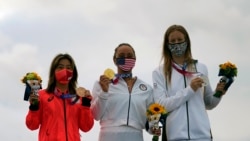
124 49
64 62
176 33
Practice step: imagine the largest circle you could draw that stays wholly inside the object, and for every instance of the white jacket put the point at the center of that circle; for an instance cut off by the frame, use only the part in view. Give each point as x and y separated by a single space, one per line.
119 107
188 119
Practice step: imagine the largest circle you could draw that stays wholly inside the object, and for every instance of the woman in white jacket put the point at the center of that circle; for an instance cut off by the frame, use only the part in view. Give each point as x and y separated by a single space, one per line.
121 106
181 91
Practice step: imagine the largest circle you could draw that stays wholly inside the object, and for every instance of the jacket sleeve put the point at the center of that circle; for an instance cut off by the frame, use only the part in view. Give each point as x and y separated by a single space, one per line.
209 100
162 92
99 102
33 118
86 117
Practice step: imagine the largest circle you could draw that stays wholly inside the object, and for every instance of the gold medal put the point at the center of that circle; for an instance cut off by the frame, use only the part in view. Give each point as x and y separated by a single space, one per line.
109 73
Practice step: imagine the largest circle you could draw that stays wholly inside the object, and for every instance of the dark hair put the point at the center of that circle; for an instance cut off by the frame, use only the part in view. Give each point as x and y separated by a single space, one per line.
166 53
122 44
52 79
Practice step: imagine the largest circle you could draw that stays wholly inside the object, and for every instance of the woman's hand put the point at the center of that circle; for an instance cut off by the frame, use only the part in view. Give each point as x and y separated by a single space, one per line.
156 131
220 87
33 99
104 82
196 83
82 92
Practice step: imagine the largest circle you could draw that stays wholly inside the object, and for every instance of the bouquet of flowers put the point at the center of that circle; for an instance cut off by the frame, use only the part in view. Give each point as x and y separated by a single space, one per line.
33 84
156 113
228 71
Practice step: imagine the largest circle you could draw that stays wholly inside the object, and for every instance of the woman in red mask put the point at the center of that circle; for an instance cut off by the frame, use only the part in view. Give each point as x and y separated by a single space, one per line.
62 109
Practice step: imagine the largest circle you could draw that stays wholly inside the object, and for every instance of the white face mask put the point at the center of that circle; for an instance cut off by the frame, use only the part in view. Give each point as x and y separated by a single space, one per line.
178 49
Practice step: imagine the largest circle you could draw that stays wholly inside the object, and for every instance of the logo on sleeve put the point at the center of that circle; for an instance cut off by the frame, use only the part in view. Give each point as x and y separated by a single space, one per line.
155 85
143 87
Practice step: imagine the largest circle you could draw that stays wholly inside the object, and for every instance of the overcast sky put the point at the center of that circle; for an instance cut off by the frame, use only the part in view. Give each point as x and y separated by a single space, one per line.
32 32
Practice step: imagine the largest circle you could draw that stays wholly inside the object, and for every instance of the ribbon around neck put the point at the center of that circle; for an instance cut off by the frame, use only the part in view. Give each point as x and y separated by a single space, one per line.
117 76
183 71
73 98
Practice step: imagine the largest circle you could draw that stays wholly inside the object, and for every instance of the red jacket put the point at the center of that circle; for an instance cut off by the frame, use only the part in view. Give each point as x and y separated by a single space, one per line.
58 119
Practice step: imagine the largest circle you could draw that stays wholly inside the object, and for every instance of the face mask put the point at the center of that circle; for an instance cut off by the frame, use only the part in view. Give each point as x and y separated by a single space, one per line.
63 76
126 64
178 49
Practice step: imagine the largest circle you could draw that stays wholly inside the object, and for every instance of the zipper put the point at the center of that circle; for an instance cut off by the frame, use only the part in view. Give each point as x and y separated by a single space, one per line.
188 132
128 108
129 102
65 119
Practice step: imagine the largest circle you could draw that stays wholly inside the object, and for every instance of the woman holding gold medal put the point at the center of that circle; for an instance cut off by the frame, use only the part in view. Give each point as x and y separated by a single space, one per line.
120 100
62 109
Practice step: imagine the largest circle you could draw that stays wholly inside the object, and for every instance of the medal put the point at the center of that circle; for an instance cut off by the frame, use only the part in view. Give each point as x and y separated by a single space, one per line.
109 73
81 91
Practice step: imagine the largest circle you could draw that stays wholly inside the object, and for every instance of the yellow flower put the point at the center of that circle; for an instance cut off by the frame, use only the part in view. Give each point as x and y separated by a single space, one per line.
31 76
156 109
228 69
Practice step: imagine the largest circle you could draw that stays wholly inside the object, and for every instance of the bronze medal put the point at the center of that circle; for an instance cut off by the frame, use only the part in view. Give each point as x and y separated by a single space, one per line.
80 91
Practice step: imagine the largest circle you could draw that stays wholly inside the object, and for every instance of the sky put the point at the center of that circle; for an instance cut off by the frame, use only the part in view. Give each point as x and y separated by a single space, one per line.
33 32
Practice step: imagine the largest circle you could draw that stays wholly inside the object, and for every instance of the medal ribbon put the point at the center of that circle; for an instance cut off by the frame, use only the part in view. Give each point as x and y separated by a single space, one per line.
66 96
117 76
72 97
183 71
124 75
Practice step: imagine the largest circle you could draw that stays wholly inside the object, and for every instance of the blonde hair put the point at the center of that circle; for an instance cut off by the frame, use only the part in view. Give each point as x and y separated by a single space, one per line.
166 53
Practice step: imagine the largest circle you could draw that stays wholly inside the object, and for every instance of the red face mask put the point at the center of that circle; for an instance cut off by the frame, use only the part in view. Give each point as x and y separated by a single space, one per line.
63 76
